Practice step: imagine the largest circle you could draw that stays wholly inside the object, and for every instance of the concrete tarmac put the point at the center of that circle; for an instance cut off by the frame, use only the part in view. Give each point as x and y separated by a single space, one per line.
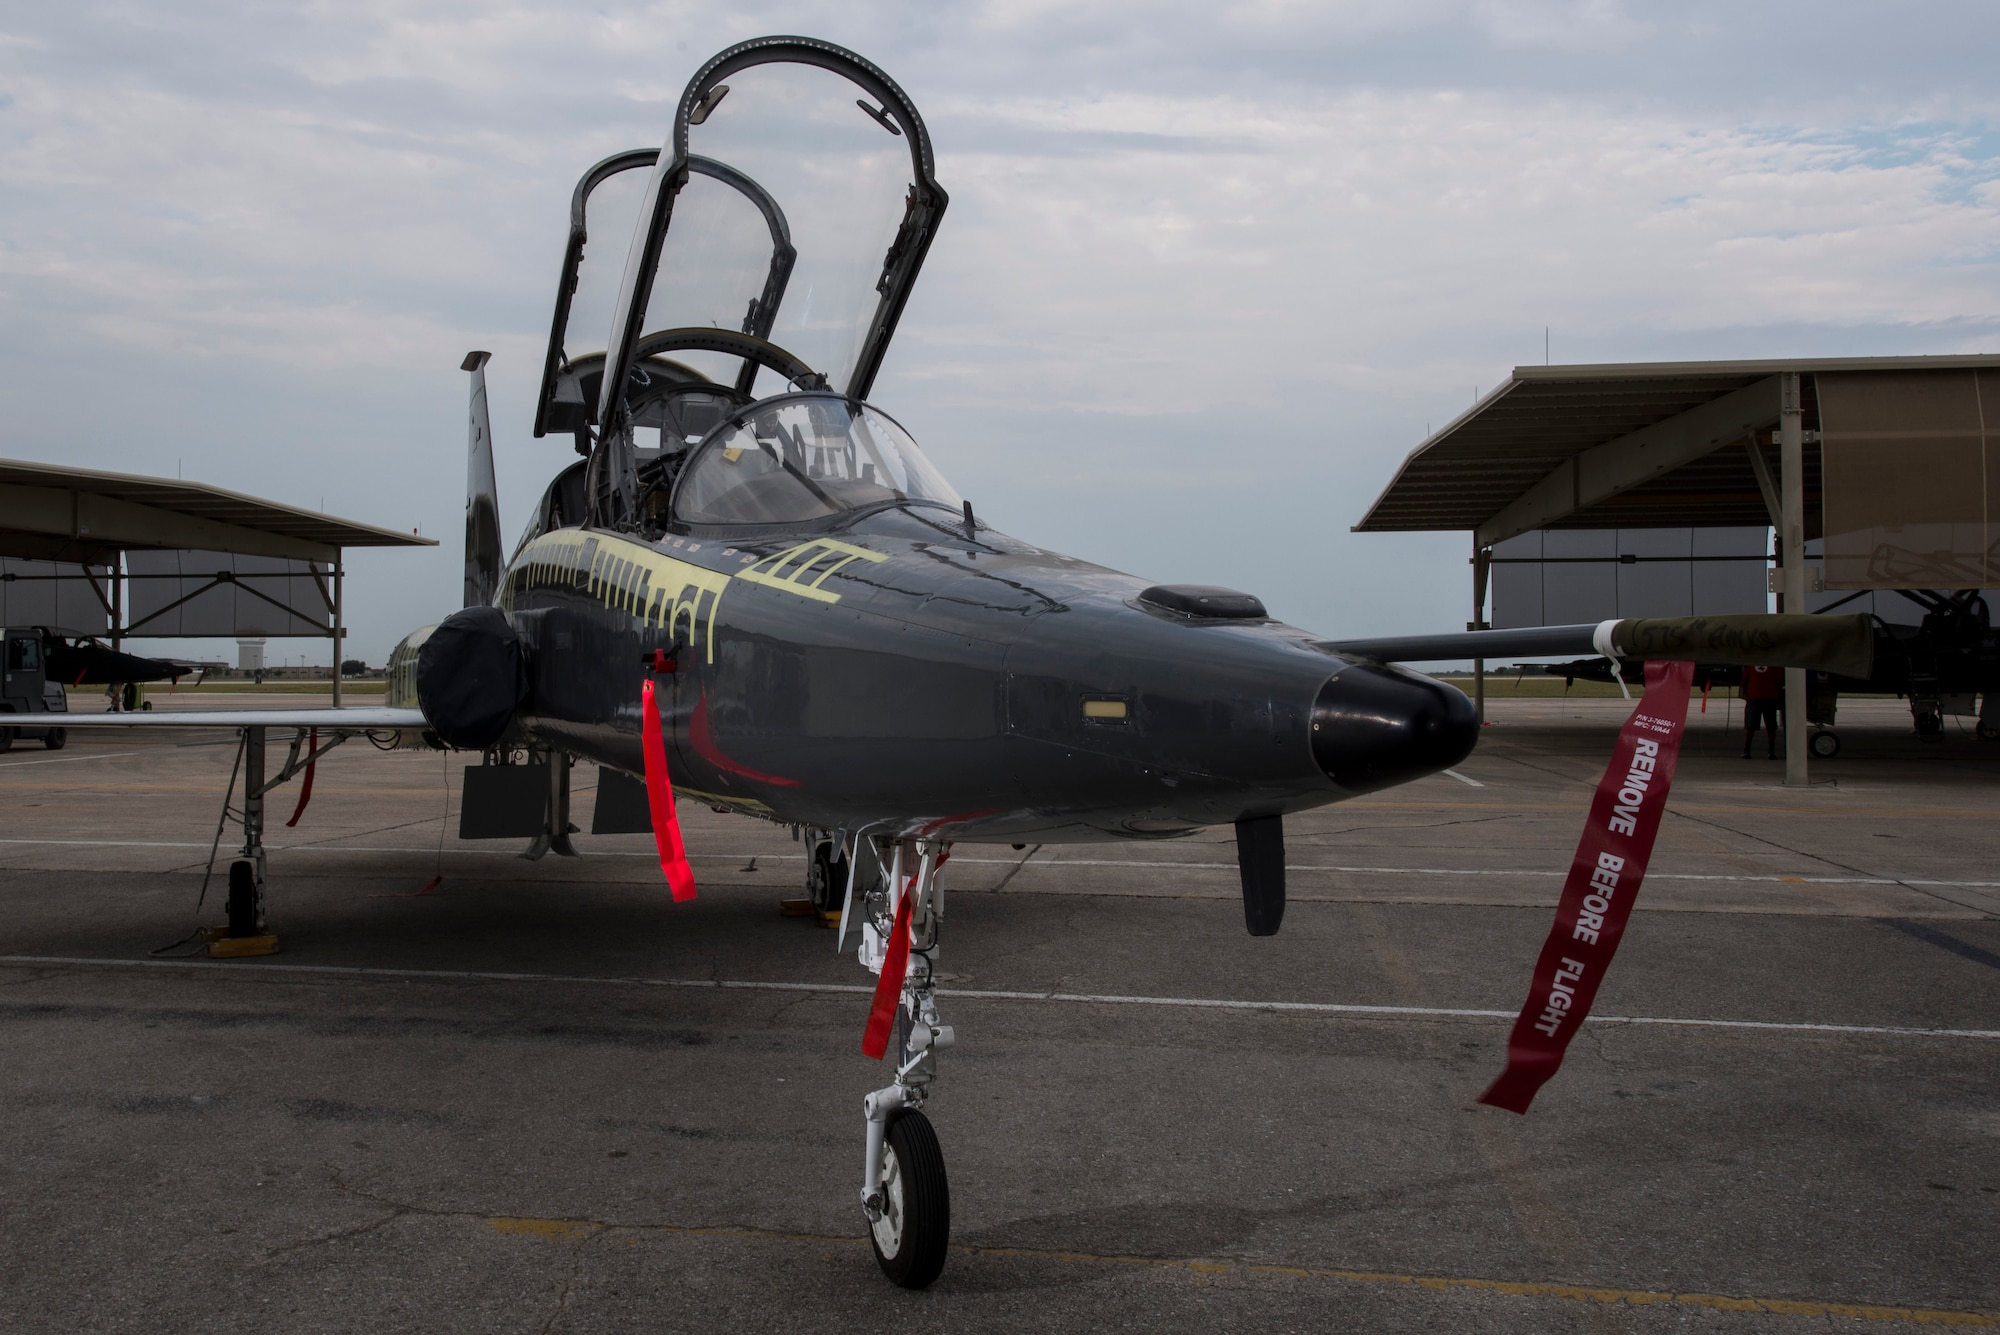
542 1097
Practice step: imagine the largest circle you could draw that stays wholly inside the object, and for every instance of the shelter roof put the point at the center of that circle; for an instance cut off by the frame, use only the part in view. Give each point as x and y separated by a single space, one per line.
49 512
1551 447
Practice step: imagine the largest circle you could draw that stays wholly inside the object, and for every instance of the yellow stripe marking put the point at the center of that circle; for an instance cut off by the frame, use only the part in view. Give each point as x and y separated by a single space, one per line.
570 1230
660 590
556 1230
773 571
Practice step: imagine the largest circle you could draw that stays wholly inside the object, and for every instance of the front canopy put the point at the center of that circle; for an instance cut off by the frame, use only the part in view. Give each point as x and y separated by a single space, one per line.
805 457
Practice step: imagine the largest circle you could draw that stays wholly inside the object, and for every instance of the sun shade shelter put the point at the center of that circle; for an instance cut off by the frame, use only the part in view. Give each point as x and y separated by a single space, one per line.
164 557
1892 462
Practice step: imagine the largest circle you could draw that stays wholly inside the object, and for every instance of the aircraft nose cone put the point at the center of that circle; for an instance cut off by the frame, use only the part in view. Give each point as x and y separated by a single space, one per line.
1374 727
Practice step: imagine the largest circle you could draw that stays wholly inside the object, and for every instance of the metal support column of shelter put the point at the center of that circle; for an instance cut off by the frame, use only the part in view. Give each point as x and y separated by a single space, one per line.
1792 544
339 631
1482 563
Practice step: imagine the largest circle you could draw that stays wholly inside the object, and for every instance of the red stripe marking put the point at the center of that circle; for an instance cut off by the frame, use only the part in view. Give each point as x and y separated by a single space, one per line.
703 740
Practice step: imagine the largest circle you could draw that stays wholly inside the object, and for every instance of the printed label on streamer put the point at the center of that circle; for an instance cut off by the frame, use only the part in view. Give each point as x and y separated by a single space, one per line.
1603 881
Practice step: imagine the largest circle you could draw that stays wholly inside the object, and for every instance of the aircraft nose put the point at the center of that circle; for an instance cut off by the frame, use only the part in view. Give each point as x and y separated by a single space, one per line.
1374 727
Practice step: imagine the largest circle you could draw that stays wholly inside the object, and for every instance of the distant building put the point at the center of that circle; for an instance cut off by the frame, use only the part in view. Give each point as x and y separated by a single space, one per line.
250 655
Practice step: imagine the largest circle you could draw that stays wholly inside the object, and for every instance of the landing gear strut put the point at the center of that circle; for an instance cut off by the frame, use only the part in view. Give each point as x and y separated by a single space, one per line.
904 1191
248 932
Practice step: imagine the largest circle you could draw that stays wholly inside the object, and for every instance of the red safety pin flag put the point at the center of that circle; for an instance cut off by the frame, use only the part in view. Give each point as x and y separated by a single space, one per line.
306 785
1603 881
660 799
889 987
895 967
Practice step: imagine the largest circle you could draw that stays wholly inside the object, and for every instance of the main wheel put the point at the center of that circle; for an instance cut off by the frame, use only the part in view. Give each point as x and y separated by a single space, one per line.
826 878
914 1232
1986 732
1825 745
242 898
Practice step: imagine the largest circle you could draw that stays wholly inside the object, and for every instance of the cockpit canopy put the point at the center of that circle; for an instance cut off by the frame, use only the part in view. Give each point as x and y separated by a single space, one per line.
805 457
792 207
792 459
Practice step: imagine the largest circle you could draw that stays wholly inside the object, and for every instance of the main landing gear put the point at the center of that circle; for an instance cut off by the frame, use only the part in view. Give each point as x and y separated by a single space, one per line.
904 1192
247 931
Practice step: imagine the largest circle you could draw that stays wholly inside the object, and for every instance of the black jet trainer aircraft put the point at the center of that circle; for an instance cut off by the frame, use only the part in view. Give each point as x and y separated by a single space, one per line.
833 639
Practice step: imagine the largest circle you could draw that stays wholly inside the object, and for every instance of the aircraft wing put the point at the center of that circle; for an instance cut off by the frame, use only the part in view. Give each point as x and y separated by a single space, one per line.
374 719
1843 645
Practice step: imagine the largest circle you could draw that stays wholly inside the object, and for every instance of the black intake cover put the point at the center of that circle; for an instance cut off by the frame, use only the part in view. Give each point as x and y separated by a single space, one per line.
1205 600
471 677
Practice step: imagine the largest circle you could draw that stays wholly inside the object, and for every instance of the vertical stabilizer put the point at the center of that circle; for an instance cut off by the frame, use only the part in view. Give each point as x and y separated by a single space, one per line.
482 495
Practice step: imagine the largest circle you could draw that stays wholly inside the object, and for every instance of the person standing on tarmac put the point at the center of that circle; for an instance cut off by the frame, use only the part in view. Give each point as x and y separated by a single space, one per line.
1763 687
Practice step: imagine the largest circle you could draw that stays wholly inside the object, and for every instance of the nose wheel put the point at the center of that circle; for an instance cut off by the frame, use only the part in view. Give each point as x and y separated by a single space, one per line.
910 1224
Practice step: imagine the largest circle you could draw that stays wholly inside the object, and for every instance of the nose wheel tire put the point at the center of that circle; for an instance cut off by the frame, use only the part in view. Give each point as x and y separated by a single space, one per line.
1825 745
914 1231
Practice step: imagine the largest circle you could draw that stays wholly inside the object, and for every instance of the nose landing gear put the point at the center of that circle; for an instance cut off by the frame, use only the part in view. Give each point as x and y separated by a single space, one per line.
904 1191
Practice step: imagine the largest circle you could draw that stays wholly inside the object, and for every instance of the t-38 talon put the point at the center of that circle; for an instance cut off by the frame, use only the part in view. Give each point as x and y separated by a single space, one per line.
833 638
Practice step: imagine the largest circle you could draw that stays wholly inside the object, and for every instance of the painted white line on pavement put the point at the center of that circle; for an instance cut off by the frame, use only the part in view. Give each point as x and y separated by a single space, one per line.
1470 783
976 994
430 850
65 760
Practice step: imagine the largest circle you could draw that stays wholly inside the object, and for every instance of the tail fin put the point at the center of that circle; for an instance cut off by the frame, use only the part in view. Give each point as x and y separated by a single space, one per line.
482 495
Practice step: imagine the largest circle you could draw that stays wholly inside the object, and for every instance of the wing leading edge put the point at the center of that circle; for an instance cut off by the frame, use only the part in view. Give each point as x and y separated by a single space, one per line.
327 720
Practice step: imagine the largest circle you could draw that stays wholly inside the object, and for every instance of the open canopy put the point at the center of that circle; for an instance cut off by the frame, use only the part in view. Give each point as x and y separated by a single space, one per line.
788 214
841 155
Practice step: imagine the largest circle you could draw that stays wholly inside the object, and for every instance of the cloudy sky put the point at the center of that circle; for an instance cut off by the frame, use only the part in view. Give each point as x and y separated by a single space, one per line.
1210 270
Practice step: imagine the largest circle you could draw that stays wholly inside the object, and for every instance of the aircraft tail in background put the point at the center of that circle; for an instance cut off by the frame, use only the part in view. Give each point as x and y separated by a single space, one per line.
482 495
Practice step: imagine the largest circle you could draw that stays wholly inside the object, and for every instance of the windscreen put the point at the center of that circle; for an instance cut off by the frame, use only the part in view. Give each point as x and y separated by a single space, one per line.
806 457
840 177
